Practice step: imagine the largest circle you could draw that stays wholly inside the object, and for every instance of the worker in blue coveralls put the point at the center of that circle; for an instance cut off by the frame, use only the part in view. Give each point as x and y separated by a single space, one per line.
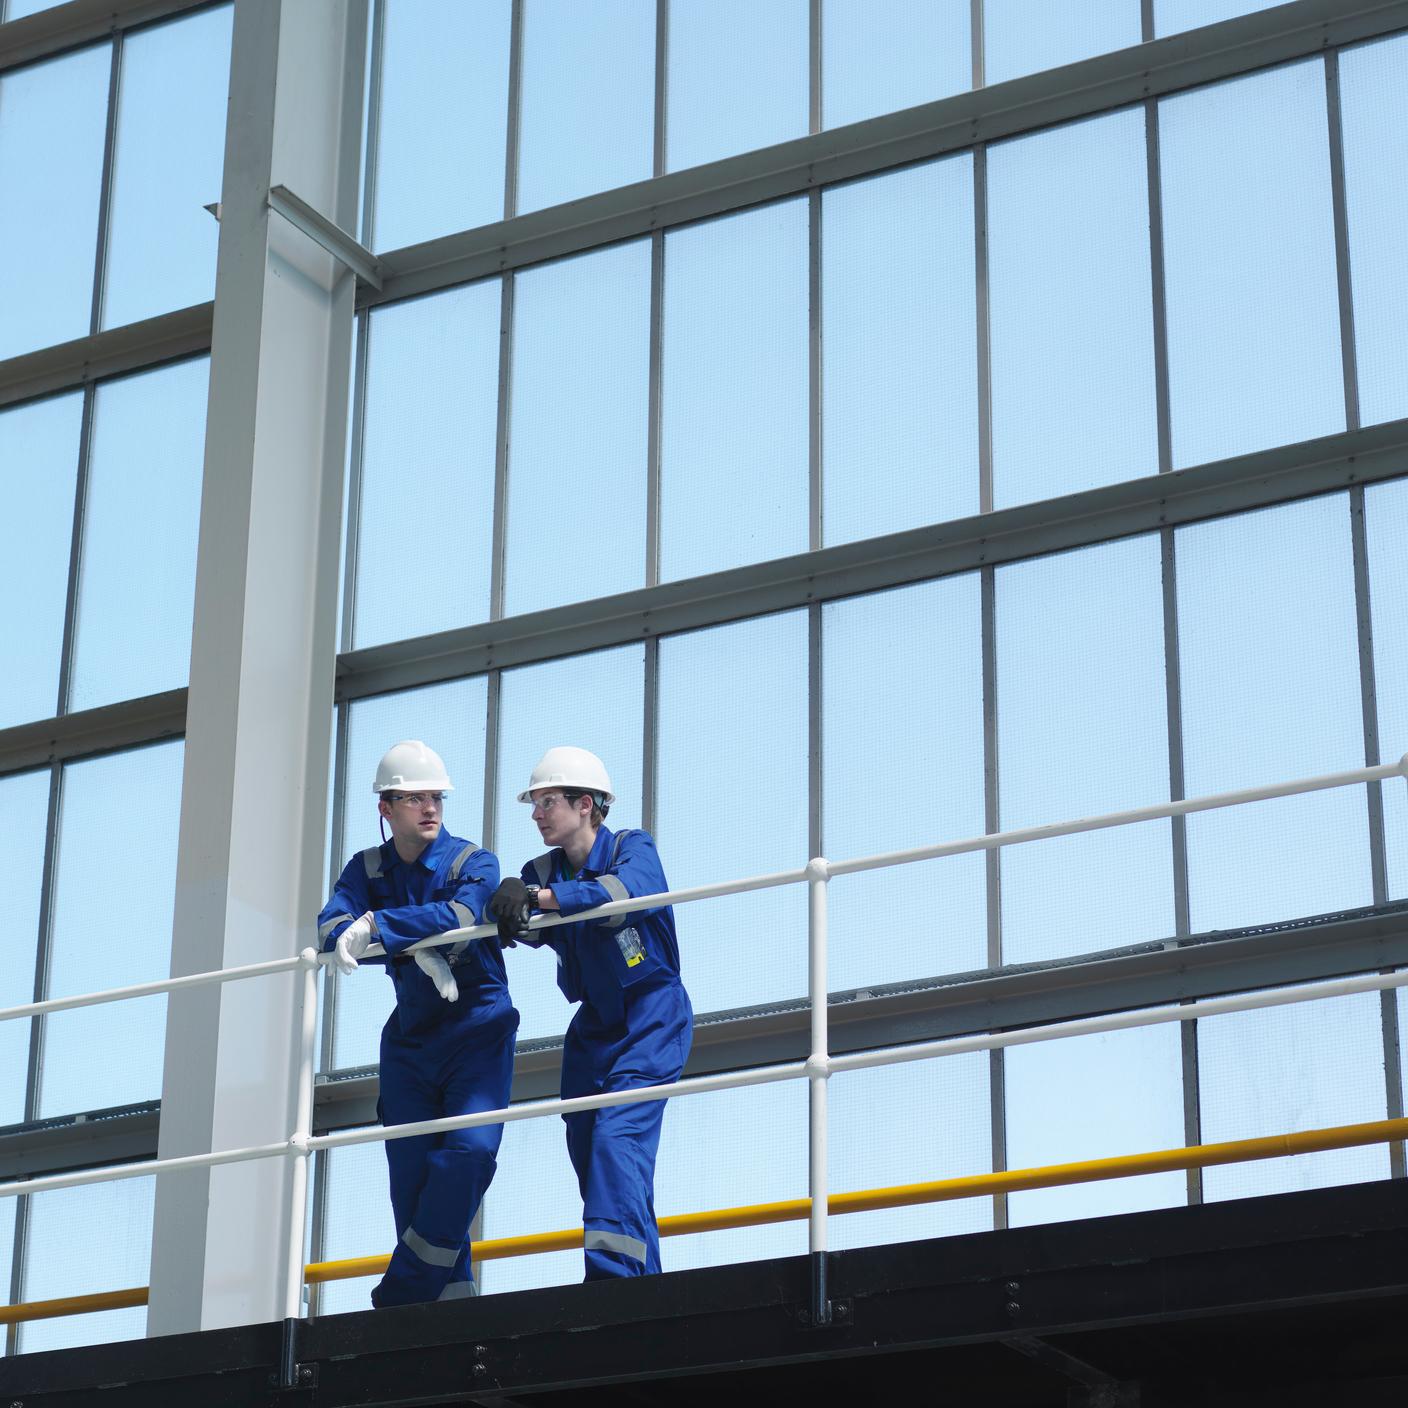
447 1048
634 1025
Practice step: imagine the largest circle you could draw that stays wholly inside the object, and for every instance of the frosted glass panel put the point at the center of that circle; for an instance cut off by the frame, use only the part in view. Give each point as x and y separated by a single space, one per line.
24 802
881 55
737 77
81 1240
1308 1065
1270 682
590 701
899 360
167 167
1071 309
1171 16
122 939
733 743
1374 104
1082 729
1095 1097
38 469
141 522
1249 250
357 1221
52 121
734 413
450 718
1386 527
915 1123
579 428
443 119
428 449
914 782
581 132
1023 38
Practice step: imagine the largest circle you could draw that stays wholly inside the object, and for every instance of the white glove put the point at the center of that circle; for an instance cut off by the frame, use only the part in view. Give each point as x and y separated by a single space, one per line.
352 943
432 963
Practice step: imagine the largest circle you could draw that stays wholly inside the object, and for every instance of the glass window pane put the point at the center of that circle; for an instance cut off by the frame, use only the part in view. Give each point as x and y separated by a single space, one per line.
140 525
738 77
699 1167
592 701
357 1221
82 1240
882 55
1022 38
1270 680
1095 1097
899 359
1308 1065
443 119
1083 729
732 781
1249 258
915 1123
24 803
450 718
17 9
53 118
1073 403
428 459
121 939
38 467
734 413
1173 16
581 378
167 165
578 133
1386 528
1373 84
9 1209
914 782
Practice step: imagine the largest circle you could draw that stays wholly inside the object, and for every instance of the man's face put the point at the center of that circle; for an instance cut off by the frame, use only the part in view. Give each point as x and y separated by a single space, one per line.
414 817
559 818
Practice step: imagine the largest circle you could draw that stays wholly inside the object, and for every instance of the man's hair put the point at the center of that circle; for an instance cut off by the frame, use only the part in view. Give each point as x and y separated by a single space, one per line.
598 816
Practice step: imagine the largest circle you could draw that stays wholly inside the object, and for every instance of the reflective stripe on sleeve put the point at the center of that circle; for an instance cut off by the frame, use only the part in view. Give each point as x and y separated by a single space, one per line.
613 887
430 1254
457 865
617 1242
371 861
328 925
463 913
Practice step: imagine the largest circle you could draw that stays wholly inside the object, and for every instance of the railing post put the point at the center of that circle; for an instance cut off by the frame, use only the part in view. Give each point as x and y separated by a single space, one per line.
298 1168
818 1066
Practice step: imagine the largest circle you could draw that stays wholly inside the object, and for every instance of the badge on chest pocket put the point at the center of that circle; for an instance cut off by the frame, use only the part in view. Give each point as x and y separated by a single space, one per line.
632 950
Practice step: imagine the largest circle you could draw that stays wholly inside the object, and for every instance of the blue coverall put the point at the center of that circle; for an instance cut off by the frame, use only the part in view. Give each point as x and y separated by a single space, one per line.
633 1029
438 1058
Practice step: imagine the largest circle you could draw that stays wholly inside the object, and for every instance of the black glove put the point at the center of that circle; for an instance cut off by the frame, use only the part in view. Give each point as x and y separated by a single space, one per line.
509 907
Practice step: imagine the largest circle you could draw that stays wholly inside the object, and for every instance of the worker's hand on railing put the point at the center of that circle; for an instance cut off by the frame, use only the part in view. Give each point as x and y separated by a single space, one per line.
352 943
432 963
510 907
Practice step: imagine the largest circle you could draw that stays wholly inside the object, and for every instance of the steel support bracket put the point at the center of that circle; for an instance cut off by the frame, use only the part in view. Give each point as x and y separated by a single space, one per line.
332 237
822 1312
291 1375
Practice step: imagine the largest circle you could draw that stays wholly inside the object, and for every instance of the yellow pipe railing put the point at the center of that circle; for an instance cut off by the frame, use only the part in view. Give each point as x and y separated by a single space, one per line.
1275 1146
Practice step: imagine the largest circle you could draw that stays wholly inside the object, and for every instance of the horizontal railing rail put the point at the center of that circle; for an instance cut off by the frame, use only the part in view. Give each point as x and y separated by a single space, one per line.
817 1069
976 1185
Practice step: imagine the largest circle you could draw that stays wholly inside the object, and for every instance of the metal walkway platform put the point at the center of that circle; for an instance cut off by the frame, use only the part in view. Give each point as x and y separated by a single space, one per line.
1289 1300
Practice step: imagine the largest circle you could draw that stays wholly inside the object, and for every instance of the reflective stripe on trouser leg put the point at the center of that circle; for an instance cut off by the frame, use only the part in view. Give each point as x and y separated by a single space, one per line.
614 1152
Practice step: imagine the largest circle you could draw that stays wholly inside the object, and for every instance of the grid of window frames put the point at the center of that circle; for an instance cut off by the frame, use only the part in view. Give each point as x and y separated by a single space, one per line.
998 327
107 155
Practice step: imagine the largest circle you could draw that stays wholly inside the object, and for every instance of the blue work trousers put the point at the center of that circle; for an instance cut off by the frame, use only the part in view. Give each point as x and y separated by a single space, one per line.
439 1180
613 1150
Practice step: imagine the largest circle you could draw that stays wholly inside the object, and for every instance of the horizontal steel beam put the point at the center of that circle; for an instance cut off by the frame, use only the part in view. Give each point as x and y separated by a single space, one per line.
1094 85
51 31
134 347
90 731
1029 530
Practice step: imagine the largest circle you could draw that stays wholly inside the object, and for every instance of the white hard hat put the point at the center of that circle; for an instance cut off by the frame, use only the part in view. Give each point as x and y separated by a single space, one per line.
411 767
574 769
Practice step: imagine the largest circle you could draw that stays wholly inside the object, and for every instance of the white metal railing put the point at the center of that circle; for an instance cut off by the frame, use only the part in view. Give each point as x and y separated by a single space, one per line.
816 1069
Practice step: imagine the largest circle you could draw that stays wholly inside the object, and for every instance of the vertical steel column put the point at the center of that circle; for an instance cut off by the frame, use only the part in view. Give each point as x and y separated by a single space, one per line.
819 1068
299 1153
249 877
